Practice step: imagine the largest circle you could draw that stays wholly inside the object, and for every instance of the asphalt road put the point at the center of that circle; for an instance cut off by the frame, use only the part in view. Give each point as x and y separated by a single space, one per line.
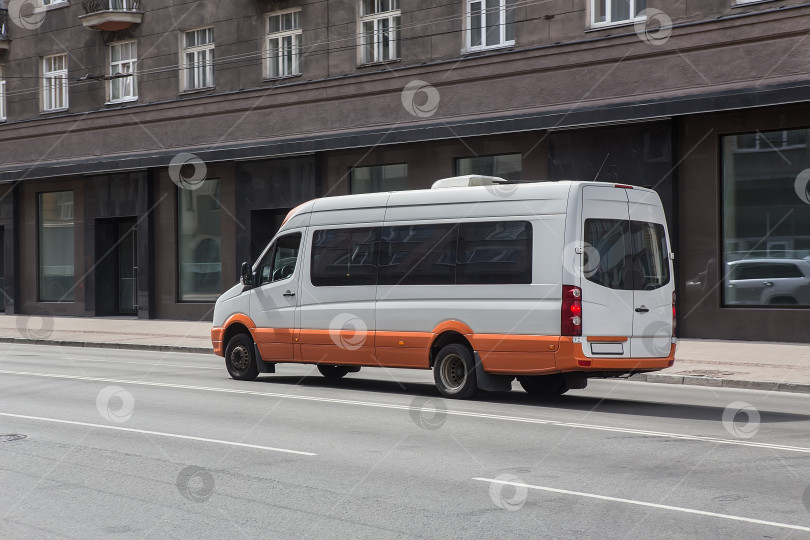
97 443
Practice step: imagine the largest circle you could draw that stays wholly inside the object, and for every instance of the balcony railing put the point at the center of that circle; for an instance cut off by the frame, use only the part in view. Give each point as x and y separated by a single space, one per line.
4 39
94 6
111 15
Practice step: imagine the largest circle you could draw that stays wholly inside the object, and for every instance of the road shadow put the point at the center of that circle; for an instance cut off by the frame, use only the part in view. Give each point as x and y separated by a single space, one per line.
607 405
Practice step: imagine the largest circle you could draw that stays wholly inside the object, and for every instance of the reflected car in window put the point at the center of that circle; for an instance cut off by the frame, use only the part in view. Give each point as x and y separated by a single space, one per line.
768 282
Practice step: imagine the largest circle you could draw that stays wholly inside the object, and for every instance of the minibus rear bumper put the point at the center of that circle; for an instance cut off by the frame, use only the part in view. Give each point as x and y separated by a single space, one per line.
571 358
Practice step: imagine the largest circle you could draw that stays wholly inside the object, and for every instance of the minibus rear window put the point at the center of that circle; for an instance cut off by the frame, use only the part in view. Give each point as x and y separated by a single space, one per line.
626 255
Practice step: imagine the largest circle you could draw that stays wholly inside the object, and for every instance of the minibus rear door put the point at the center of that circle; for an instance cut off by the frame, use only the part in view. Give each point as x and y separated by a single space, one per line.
607 295
652 274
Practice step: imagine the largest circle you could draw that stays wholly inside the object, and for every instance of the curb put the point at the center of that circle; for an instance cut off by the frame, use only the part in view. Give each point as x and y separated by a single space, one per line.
664 378
97 345
658 378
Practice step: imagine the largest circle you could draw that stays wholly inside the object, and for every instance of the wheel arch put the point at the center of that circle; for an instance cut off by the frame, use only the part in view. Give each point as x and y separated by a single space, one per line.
446 338
233 329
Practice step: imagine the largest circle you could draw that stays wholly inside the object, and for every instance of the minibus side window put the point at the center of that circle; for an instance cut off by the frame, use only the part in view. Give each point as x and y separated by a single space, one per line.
280 260
418 255
344 257
494 252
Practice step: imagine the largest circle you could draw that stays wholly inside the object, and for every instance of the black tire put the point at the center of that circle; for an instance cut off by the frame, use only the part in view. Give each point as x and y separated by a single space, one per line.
454 372
240 358
544 385
335 372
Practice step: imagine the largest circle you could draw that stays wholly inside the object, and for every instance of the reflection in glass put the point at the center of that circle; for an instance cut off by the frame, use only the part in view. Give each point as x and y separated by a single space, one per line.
766 219
56 237
199 241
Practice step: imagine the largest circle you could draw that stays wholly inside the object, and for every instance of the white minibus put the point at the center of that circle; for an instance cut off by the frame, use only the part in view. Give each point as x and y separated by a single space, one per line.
480 280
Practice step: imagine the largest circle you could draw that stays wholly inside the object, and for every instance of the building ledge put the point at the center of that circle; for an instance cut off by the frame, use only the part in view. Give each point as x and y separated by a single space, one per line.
111 21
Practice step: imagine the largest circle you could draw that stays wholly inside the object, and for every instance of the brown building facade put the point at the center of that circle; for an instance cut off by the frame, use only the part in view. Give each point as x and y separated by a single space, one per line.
148 147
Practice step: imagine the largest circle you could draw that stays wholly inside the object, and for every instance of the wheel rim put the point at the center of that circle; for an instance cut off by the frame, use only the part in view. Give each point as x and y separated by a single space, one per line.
453 372
240 358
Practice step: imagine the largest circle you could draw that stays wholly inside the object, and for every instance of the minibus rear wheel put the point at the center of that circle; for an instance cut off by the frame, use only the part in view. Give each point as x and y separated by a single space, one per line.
544 385
454 372
240 358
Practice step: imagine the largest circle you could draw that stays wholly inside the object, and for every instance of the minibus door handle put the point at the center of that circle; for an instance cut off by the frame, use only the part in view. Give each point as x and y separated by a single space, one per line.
289 294
642 309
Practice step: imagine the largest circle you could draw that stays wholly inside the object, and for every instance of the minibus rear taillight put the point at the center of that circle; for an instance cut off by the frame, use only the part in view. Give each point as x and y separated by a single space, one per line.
571 313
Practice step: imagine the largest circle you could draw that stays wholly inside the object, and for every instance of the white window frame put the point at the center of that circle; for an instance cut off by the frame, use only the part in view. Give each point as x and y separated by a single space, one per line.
3 114
206 67
123 67
468 25
393 17
608 21
276 66
48 3
54 85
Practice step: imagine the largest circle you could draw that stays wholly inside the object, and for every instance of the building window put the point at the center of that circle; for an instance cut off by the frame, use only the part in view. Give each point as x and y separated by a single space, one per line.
199 240
490 23
608 12
3 116
506 166
123 61
284 44
53 2
56 235
379 178
54 82
766 219
198 59
379 30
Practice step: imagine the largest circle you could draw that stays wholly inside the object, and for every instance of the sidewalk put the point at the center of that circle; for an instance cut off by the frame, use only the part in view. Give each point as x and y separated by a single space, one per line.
732 364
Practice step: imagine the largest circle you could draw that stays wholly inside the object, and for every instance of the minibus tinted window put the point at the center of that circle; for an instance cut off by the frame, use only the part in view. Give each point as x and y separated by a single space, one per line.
605 259
637 261
494 252
344 257
650 256
418 255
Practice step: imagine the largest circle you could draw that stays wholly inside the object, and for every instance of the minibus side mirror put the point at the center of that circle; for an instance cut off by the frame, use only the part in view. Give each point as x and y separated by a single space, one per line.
247 275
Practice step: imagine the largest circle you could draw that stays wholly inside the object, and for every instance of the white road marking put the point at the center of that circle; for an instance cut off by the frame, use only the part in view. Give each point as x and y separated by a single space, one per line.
158 433
648 504
108 361
631 431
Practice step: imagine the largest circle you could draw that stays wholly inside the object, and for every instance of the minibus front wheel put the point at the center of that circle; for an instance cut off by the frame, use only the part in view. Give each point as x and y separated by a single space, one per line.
454 372
240 358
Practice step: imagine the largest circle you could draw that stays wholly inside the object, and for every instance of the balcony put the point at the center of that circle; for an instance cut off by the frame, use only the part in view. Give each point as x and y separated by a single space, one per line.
4 24
111 15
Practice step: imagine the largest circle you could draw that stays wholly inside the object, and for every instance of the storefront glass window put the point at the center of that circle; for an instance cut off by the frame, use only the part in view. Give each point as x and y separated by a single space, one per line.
766 219
199 240
507 166
56 270
379 178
